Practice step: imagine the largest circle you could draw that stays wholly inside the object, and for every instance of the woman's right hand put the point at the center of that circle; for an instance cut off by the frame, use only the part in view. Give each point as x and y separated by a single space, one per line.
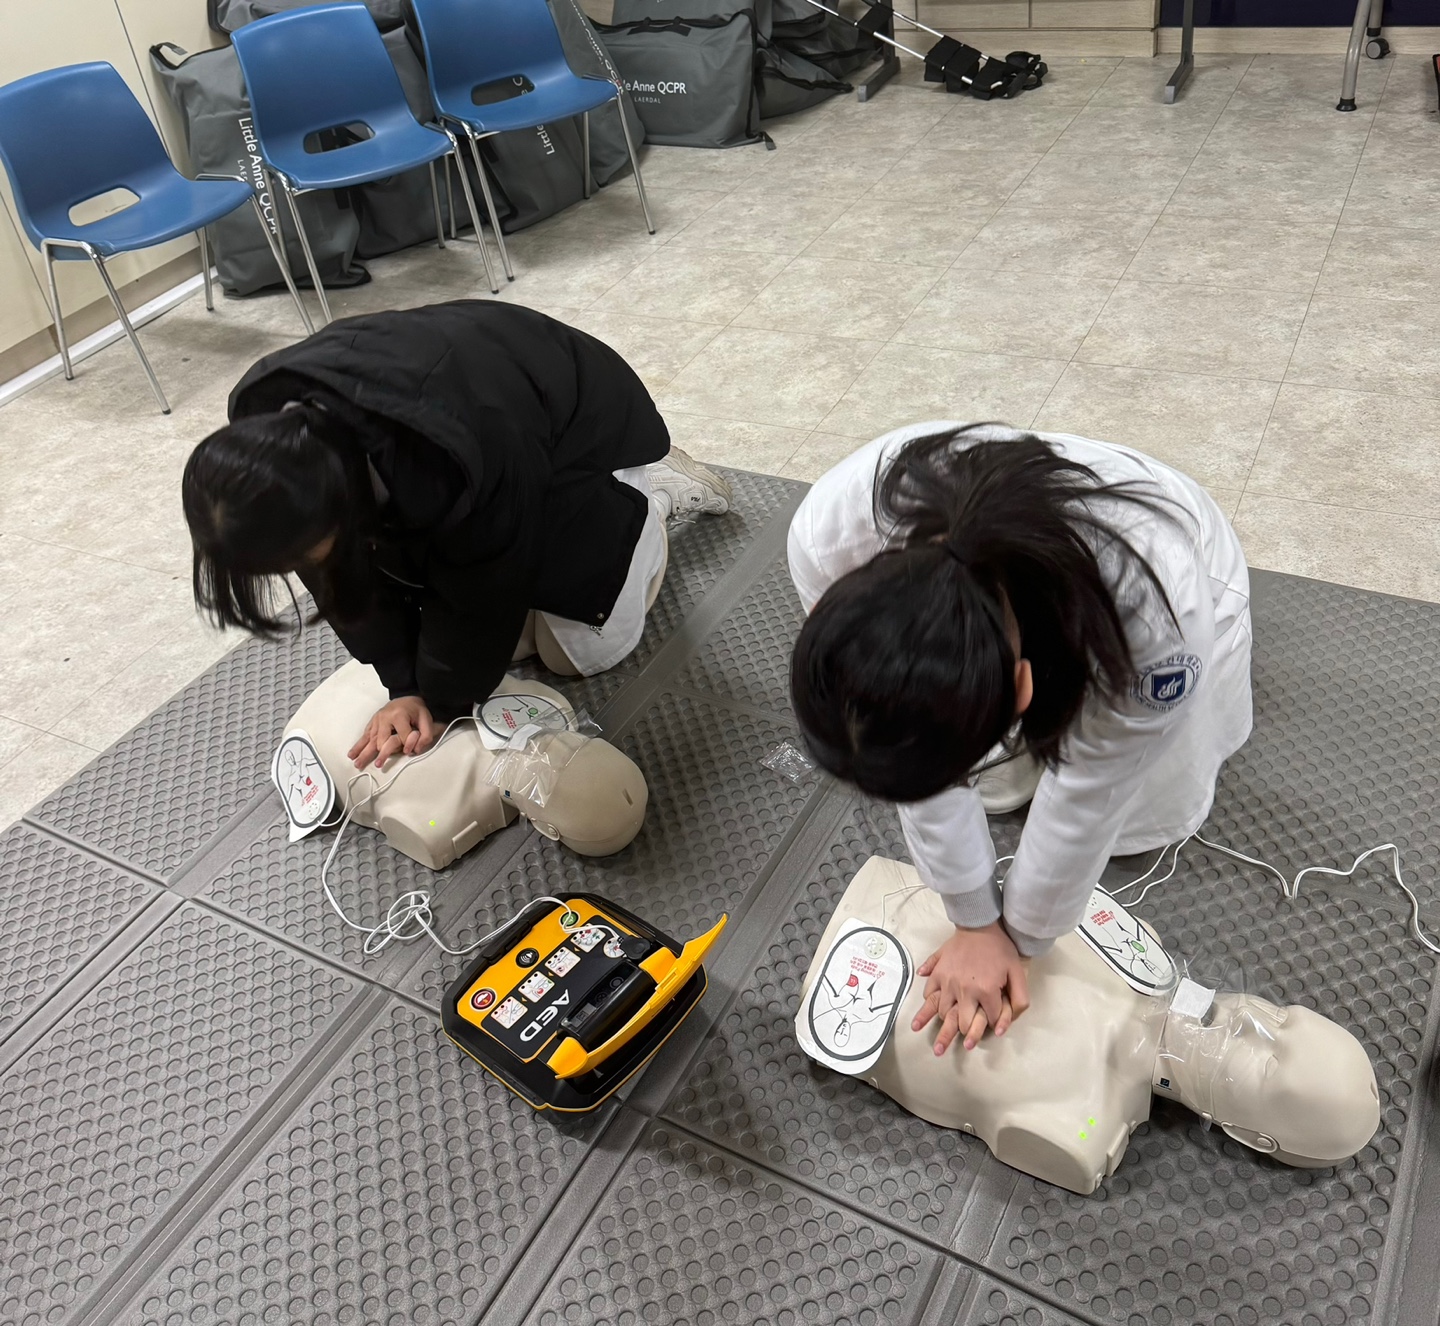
403 726
976 979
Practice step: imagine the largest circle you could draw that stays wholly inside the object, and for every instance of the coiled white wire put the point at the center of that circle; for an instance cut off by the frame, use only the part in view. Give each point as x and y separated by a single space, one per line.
1290 887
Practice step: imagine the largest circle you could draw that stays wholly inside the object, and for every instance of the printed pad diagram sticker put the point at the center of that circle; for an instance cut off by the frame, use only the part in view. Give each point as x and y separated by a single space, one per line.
304 786
1128 949
848 1013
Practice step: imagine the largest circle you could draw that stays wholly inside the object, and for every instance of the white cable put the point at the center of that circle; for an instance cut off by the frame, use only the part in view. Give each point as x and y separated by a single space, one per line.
409 909
1290 887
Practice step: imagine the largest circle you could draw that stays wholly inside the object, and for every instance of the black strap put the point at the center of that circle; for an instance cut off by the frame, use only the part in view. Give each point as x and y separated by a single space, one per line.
880 17
950 60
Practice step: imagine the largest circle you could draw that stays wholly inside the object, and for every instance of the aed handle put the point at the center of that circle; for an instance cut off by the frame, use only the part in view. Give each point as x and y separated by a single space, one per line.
669 972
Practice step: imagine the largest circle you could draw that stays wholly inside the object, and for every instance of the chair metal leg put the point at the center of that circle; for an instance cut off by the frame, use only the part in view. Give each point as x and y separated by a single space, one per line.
304 244
585 149
55 313
474 214
490 207
435 199
450 200
634 163
205 269
277 251
1352 57
129 330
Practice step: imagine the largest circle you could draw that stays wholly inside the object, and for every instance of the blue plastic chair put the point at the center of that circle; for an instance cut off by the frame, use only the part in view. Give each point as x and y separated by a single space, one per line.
472 44
72 134
326 68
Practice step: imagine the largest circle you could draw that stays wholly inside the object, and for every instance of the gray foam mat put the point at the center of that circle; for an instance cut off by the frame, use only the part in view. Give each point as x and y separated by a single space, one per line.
164 791
402 1189
221 1110
687 1234
123 1103
57 907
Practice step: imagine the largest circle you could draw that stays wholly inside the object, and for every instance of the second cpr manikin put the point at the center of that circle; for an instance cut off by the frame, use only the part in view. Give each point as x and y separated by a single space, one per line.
1060 1093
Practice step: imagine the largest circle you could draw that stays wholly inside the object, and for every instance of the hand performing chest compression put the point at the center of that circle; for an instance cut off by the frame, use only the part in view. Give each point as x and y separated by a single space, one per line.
974 981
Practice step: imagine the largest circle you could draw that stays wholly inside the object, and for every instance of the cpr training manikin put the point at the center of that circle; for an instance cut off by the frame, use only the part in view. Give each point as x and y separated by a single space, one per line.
1060 1093
519 756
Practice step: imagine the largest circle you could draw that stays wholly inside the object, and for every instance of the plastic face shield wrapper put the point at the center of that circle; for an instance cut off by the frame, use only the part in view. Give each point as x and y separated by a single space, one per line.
528 770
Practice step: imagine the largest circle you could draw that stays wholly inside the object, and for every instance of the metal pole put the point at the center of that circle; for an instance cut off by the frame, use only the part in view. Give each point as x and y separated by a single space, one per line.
1186 67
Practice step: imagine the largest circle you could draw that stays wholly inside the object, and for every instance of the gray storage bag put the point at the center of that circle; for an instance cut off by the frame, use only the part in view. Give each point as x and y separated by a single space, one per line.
788 82
637 11
227 15
587 56
209 92
691 79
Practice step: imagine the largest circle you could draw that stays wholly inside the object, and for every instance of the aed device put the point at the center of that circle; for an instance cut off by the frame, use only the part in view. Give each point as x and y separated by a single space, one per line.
569 1000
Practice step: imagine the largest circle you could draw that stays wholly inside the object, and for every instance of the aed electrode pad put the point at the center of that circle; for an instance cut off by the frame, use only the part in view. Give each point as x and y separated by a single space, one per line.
1125 946
846 1018
304 785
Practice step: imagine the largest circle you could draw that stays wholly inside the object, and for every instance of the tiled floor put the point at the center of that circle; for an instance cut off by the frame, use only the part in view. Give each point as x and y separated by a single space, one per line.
1246 284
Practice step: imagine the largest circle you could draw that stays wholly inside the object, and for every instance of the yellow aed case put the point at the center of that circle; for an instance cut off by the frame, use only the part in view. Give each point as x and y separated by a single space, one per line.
569 1000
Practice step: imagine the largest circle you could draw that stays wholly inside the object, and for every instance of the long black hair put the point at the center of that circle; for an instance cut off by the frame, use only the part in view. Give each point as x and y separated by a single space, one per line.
259 495
903 677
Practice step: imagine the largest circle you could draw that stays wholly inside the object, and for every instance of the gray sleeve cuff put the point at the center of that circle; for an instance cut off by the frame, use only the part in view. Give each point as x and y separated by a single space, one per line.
1029 945
973 910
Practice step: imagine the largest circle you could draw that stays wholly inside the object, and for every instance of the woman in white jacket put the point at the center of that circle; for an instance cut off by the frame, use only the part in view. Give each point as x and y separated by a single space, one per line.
992 610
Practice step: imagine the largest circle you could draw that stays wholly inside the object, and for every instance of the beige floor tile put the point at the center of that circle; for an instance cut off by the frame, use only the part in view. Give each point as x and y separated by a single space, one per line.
1228 499
1307 186
838 297
763 448
961 177
76 622
907 384
1369 345
1352 448
185 651
1139 82
14 737
926 233
571 268
760 222
1094 244
1367 549
1094 182
656 348
616 209
1382 262
719 170
1011 312
1309 80
768 377
1072 82
1241 251
36 771
817 165
1388 191
1022 125
705 284
1248 134
1121 130
901 123
1210 428
819 453
1410 87
1198 329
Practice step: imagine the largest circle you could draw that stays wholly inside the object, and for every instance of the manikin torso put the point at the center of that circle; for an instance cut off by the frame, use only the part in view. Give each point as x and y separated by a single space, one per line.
1060 1093
434 808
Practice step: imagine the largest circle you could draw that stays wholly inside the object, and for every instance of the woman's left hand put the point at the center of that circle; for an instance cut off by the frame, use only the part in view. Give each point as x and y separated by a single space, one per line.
403 726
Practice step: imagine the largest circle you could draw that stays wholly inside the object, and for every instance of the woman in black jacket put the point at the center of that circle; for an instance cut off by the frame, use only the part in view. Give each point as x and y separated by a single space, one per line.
433 475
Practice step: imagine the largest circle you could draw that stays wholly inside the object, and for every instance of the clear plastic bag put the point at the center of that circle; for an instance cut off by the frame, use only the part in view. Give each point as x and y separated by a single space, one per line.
528 772
789 762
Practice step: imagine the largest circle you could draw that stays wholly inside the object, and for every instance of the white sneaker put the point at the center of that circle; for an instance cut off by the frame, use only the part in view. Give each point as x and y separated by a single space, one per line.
1009 784
684 487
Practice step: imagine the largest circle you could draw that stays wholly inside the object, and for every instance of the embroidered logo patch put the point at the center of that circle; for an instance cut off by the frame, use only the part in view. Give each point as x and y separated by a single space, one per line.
1165 684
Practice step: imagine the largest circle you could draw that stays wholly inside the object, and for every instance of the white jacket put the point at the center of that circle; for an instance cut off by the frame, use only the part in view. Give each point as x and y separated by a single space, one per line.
1137 774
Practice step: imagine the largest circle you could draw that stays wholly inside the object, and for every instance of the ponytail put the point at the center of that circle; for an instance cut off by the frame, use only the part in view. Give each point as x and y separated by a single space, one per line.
259 495
903 677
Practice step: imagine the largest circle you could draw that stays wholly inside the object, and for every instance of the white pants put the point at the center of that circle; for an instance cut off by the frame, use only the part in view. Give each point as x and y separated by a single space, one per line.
595 649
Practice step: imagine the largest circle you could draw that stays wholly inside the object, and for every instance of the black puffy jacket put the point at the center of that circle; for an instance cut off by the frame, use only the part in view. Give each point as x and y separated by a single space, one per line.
496 432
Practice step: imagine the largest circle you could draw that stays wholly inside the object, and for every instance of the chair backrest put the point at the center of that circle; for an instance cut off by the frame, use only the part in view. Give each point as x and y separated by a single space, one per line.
473 43
70 134
317 68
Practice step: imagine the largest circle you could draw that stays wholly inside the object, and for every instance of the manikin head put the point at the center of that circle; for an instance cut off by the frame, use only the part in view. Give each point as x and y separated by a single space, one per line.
1284 1081
576 790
